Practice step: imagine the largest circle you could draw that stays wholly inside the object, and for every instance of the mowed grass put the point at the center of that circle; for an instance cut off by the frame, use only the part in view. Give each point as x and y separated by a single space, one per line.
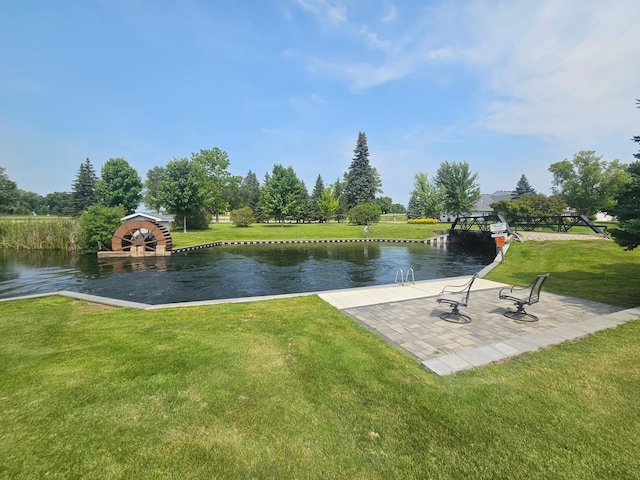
592 269
308 231
292 388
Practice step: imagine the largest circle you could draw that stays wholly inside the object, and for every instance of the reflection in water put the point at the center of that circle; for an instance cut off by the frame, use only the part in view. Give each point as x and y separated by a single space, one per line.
234 271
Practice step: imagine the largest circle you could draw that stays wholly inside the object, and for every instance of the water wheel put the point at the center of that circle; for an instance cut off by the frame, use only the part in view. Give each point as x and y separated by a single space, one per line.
141 233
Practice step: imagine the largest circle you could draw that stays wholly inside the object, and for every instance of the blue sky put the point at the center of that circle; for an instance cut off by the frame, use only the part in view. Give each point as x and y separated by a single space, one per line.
507 86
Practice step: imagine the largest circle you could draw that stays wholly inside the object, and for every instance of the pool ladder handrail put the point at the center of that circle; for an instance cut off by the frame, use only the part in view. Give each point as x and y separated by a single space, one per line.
404 279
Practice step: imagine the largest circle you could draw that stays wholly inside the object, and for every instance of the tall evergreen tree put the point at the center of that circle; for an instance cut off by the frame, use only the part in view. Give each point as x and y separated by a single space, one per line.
83 190
627 234
361 179
523 188
250 191
316 196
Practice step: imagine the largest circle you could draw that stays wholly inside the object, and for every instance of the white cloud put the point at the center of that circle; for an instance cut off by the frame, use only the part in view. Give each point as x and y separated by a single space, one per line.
559 69
391 15
333 12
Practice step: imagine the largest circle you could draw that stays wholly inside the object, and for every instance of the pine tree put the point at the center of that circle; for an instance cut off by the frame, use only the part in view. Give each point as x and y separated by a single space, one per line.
361 180
250 191
523 188
627 235
315 198
83 192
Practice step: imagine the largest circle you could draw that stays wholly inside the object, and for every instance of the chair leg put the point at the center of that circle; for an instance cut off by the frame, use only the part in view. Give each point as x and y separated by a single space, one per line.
520 315
454 316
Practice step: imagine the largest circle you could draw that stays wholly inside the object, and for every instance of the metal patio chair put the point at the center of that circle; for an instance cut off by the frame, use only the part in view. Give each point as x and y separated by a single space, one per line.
522 296
456 296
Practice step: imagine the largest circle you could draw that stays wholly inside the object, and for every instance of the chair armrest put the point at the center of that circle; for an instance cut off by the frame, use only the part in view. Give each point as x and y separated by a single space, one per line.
512 289
448 289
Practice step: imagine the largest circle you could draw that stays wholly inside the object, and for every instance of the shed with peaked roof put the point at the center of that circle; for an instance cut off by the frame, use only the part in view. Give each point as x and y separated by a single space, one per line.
163 220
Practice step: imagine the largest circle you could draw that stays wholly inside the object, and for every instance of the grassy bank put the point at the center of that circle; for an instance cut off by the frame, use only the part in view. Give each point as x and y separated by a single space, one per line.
292 231
595 270
294 389
38 233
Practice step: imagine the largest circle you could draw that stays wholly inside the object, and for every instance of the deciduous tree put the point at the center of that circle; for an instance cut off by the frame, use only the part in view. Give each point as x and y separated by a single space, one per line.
588 183
152 197
119 184
328 205
8 192
216 163
97 224
57 203
459 187
281 196
532 205
184 188
426 198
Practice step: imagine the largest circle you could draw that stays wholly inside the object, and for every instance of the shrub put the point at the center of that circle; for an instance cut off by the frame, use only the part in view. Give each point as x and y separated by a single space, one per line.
423 221
195 221
365 214
242 217
98 224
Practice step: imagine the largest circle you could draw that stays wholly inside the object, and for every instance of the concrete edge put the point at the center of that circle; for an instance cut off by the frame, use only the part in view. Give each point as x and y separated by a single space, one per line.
506 349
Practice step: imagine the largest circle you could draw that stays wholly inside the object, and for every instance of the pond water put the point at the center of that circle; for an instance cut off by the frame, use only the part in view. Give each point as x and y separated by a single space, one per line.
235 271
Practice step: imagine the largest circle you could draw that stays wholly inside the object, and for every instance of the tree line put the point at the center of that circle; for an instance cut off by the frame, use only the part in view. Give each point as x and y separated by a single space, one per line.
197 188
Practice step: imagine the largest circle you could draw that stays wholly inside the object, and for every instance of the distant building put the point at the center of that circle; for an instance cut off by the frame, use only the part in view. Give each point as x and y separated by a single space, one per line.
483 206
163 220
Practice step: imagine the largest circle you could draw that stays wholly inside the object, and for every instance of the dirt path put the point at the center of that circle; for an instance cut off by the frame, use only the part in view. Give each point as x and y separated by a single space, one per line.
540 236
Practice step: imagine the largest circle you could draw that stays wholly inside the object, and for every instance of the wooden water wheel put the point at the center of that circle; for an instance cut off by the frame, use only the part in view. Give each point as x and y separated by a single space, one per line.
141 233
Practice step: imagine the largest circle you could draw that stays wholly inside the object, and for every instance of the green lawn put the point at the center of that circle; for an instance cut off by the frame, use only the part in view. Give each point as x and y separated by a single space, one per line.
294 231
294 389
592 269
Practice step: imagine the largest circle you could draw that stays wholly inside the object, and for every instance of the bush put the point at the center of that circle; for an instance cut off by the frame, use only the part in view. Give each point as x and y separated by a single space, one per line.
195 221
423 221
98 224
365 214
242 217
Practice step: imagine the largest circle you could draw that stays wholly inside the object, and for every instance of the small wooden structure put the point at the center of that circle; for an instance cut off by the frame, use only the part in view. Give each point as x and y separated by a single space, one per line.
139 238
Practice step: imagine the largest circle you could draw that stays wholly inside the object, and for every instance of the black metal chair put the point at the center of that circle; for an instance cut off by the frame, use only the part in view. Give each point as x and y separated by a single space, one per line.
522 296
456 296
